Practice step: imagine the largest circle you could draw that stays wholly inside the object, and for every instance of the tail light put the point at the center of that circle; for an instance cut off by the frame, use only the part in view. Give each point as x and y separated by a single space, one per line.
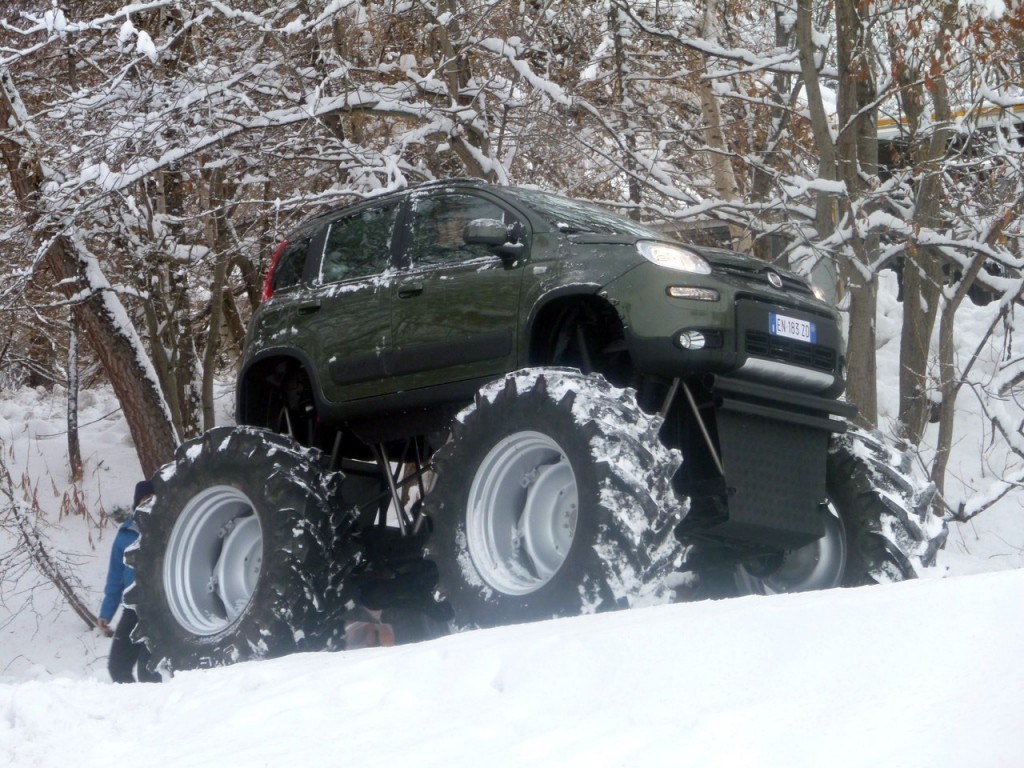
268 285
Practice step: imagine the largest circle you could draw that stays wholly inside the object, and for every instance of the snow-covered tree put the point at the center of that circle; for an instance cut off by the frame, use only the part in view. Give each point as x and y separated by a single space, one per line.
161 148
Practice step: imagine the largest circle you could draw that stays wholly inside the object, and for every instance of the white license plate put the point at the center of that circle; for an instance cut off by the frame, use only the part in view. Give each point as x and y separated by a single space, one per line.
791 327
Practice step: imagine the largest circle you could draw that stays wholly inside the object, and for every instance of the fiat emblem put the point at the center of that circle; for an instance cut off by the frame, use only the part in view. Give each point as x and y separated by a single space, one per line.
775 280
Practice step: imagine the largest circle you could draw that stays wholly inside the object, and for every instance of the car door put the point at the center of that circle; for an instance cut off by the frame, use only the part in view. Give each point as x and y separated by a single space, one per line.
454 304
347 315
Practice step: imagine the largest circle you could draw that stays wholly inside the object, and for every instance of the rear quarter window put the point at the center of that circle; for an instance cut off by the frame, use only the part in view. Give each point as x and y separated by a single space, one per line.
290 264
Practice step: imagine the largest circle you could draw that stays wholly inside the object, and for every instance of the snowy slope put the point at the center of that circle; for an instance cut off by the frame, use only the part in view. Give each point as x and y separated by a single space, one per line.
924 673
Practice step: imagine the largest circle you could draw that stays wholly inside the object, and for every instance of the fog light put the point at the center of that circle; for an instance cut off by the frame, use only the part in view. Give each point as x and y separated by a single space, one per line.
691 340
691 292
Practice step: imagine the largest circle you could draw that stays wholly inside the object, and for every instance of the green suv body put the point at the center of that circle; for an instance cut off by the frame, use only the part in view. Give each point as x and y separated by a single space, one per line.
413 300
382 319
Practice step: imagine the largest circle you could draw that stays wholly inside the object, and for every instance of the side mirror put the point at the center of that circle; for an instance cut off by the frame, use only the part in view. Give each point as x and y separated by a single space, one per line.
489 232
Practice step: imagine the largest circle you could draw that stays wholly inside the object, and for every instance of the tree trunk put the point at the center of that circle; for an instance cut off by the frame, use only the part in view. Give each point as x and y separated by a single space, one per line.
862 373
186 356
468 141
212 188
74 446
857 149
101 315
623 105
923 274
839 160
922 283
726 185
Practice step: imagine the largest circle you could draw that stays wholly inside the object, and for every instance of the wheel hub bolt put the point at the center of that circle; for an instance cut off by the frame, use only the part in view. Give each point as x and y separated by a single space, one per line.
528 478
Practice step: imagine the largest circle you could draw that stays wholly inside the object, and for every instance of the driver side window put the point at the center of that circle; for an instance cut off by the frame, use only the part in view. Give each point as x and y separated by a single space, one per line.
439 222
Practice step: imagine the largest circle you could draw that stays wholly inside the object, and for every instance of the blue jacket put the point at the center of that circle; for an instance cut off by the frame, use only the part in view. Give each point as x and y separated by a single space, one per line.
119 575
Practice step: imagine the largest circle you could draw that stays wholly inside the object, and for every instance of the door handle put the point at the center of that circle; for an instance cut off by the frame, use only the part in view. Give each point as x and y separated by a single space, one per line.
408 290
309 307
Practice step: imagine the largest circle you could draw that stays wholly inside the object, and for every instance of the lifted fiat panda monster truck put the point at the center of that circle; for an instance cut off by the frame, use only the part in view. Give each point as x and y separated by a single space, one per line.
483 405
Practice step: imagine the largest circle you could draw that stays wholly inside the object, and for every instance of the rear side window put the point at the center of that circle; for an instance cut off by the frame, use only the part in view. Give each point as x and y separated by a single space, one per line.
359 245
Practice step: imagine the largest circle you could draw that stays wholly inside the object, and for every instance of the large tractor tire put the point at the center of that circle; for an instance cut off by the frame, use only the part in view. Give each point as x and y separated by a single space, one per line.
239 555
891 532
553 498
878 527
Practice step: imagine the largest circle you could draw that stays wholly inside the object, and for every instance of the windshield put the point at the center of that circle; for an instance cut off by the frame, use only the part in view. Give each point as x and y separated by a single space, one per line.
573 216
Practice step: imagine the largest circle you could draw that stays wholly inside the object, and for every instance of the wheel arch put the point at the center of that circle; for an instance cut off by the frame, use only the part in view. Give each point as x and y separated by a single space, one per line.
551 315
256 382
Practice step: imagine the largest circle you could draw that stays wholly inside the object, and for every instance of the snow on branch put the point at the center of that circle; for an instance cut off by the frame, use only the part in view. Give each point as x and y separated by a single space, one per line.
507 52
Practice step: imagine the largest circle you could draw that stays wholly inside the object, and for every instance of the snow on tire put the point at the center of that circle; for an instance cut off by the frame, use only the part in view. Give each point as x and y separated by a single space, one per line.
239 554
553 498
891 533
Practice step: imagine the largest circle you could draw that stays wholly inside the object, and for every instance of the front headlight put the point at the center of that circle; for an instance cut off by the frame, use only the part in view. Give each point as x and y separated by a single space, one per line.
673 257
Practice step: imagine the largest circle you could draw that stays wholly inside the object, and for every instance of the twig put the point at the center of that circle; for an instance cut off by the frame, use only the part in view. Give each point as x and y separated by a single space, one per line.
35 546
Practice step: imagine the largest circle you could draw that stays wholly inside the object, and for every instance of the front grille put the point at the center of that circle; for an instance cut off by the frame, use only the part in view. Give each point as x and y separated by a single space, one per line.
758 275
790 351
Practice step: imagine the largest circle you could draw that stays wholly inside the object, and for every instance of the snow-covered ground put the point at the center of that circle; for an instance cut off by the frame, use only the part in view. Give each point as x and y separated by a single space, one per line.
917 674
926 673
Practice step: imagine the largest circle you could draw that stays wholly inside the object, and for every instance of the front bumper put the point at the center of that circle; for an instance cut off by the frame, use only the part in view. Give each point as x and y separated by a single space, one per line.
734 333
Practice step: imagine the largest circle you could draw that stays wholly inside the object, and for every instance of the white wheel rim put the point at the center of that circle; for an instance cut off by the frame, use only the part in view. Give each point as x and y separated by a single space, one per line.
522 513
213 560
